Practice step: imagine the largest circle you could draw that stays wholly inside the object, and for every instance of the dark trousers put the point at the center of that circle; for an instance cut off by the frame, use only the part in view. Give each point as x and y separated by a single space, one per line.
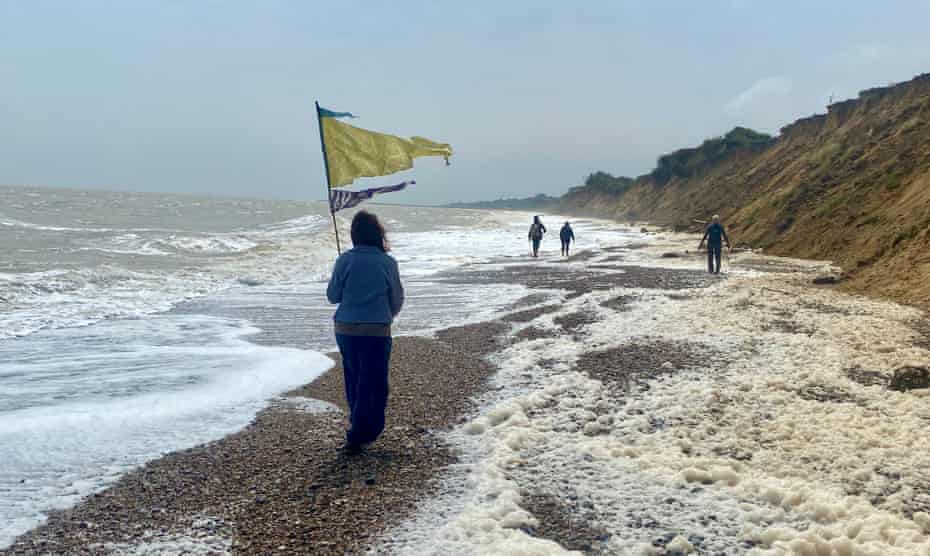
365 361
536 246
713 257
565 244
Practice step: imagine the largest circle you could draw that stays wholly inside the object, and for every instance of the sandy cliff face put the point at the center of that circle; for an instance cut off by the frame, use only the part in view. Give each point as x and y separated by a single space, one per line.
851 185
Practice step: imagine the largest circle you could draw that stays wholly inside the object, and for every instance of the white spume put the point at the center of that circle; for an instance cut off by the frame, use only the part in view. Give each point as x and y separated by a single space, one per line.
98 377
658 466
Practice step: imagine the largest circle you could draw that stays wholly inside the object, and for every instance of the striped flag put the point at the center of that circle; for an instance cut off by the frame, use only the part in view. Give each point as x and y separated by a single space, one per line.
341 199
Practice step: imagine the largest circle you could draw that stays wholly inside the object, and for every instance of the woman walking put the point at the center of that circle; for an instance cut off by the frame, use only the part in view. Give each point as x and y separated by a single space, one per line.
366 285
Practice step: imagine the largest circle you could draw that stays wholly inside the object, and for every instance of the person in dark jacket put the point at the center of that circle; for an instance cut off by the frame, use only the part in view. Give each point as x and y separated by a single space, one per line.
366 285
567 235
715 236
536 234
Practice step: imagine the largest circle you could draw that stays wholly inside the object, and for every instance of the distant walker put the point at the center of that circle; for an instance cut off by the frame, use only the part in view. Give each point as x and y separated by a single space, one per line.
715 236
536 234
567 235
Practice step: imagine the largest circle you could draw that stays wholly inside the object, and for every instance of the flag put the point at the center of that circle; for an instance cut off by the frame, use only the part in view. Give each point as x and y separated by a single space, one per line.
341 199
324 113
353 152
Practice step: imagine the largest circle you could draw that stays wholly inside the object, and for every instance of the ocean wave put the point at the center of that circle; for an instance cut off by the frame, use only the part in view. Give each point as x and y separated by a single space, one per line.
212 244
15 223
295 226
152 271
143 242
63 298
187 267
209 244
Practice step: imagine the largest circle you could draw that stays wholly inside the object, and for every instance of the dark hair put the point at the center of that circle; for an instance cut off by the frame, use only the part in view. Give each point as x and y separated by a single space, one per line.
366 230
536 219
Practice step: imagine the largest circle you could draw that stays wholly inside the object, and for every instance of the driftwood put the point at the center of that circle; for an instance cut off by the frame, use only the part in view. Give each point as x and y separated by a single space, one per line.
697 226
783 292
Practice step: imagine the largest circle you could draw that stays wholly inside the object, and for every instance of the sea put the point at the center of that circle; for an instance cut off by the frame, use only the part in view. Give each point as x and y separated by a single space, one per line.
136 324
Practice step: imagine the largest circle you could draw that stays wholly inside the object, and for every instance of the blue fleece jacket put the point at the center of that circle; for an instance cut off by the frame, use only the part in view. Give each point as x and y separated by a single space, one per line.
366 285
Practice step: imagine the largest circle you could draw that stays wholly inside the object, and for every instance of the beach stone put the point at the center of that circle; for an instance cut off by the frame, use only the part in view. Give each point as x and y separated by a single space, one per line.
671 255
910 378
620 303
679 545
828 279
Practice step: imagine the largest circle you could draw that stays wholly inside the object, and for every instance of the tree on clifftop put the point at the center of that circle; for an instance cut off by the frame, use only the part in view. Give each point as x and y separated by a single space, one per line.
685 162
602 181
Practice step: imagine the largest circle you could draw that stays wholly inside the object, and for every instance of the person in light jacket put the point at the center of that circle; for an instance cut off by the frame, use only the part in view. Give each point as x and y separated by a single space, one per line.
366 285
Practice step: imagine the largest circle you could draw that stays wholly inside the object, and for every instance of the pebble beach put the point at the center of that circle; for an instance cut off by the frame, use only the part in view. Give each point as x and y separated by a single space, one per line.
628 403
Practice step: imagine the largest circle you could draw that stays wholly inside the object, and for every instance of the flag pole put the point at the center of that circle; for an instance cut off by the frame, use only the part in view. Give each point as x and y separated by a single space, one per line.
329 186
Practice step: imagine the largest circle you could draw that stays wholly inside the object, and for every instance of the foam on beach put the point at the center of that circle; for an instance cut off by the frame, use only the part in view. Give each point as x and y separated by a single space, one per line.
205 536
95 420
739 421
768 448
95 384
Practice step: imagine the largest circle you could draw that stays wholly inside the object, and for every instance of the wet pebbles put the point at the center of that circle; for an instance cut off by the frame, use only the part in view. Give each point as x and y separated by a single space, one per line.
637 362
581 281
565 521
281 482
280 486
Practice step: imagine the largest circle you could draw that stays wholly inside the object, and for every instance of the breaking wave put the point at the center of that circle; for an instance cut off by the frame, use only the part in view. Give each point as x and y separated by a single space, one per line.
148 270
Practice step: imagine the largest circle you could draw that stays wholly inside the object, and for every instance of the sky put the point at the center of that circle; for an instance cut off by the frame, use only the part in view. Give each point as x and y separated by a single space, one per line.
216 97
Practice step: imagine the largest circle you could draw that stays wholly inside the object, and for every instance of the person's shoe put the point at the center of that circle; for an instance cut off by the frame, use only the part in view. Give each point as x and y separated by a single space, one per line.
350 449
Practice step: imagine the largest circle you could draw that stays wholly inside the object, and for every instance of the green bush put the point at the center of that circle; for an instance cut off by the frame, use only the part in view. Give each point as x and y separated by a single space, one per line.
602 181
685 162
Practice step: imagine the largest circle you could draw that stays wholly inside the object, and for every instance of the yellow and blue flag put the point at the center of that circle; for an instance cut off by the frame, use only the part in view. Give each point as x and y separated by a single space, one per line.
353 152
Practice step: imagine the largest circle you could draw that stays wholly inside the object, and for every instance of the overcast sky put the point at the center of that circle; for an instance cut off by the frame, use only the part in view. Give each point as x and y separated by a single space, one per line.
217 97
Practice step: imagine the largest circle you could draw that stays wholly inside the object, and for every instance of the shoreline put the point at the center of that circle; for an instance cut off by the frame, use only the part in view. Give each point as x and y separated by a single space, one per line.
278 486
234 493
171 503
285 317
146 508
